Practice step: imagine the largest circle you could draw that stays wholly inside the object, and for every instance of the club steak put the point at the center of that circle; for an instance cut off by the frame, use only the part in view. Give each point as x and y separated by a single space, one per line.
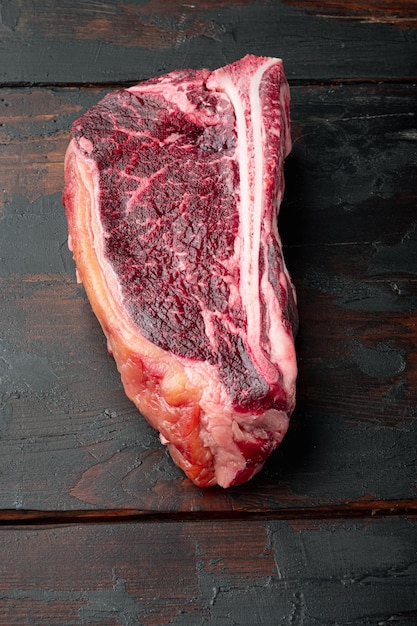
172 191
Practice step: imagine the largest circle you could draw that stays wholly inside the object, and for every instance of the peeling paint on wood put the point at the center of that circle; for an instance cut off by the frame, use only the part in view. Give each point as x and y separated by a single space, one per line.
211 573
117 42
97 525
401 13
348 225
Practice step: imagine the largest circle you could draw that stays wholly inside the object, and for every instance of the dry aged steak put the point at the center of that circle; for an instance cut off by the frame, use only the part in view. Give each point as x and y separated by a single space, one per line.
172 193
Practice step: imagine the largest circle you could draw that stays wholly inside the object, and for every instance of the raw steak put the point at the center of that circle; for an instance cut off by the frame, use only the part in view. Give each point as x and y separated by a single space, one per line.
172 194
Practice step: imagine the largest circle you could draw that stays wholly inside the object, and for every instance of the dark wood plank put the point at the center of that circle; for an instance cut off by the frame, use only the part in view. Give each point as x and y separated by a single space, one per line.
97 525
69 437
399 13
211 573
350 510
83 42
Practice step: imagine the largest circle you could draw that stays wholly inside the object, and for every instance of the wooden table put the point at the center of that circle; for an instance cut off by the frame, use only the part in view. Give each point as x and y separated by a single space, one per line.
98 525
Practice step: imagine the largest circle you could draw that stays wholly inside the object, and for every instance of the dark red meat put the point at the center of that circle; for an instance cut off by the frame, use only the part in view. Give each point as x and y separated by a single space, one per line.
172 194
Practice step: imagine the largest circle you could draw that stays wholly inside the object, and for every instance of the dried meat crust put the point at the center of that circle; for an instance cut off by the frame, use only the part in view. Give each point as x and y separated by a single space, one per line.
221 404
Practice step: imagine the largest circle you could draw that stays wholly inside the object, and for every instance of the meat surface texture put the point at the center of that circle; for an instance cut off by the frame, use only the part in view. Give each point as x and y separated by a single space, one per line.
172 192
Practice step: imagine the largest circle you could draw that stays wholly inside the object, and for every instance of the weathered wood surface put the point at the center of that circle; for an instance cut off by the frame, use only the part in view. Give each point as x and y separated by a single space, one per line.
70 438
43 41
221 573
326 534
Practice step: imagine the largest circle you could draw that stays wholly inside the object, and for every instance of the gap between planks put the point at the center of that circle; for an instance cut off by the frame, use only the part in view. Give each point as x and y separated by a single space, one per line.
293 82
347 511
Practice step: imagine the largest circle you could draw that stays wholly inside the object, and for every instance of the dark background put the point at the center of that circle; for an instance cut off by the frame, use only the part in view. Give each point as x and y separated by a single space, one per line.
98 525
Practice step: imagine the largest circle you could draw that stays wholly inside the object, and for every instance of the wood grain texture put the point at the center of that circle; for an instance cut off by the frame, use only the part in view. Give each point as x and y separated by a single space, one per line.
70 438
97 526
351 510
399 13
263 573
113 42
